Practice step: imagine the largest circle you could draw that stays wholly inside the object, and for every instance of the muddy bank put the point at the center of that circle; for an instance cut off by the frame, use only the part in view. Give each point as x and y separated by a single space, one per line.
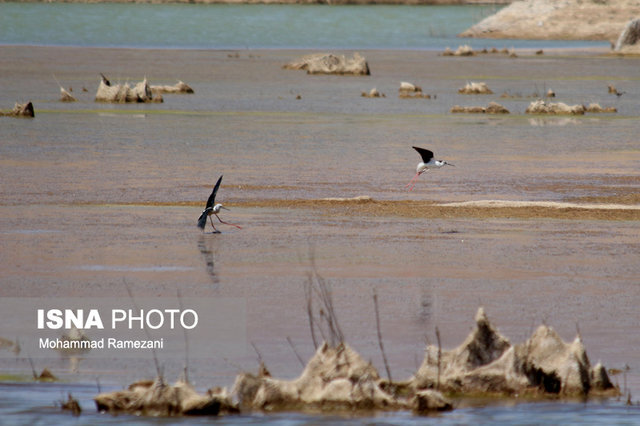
623 207
479 210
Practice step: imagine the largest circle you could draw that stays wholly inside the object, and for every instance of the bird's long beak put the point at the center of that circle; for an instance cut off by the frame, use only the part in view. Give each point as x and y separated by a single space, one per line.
449 164
223 207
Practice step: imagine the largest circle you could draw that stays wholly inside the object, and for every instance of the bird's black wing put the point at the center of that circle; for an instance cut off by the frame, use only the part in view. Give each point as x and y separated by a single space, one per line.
424 153
212 197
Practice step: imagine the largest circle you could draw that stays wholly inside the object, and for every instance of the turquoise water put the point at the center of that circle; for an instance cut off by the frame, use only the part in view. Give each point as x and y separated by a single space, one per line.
249 26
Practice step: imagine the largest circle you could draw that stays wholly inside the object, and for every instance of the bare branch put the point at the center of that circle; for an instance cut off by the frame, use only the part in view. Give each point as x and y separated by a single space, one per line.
295 352
384 356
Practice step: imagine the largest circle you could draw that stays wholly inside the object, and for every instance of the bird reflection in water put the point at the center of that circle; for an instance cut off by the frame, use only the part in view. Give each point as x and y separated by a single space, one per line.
205 246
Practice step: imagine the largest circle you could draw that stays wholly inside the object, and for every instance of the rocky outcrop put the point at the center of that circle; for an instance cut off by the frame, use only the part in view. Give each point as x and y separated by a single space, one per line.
123 93
463 50
327 63
559 108
157 398
179 88
558 20
629 39
473 88
466 50
487 363
491 108
20 110
410 90
66 96
596 108
373 93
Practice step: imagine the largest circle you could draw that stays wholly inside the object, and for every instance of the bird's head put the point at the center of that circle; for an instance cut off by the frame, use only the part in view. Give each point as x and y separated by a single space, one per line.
217 207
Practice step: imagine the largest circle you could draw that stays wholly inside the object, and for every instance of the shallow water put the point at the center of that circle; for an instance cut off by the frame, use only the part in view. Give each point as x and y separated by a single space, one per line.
94 195
215 26
41 398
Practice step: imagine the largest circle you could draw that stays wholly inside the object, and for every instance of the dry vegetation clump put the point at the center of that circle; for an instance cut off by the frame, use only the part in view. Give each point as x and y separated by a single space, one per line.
72 405
327 63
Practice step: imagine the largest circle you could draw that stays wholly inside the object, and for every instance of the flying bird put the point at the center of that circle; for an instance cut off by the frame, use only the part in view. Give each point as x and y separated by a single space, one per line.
211 209
428 162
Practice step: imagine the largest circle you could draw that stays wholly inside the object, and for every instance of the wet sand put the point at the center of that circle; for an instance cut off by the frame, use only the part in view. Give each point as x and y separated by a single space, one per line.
95 194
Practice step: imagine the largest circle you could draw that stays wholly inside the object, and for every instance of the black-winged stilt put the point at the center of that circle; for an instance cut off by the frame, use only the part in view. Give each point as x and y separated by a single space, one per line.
211 209
428 162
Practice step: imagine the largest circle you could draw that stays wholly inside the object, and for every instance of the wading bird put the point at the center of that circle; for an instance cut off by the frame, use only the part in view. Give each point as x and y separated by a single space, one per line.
428 162
211 209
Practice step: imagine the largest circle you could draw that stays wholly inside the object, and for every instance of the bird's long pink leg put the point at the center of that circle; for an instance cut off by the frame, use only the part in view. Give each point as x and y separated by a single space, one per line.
227 223
214 228
413 181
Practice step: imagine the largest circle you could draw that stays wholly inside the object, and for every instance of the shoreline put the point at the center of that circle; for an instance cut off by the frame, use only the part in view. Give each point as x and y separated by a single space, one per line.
587 50
618 209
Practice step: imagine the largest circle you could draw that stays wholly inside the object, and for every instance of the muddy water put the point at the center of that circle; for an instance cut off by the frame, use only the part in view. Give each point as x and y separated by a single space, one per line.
96 194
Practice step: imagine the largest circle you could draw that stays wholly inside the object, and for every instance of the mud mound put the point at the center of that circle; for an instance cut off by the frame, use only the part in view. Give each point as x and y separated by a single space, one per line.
123 93
20 110
486 362
473 88
156 398
179 88
327 63
491 108
335 378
